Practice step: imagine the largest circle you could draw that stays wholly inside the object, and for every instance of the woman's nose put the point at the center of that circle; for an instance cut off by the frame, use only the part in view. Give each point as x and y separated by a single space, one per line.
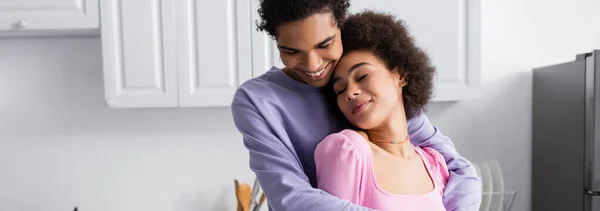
352 96
352 92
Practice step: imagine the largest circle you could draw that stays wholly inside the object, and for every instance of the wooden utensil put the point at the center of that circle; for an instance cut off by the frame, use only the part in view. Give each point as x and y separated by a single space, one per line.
237 185
244 195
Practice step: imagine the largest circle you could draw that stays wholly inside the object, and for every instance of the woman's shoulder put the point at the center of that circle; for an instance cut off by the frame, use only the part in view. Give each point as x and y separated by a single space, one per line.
437 164
433 154
344 142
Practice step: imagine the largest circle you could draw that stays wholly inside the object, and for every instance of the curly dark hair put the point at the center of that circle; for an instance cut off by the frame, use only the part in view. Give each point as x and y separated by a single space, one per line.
389 39
275 13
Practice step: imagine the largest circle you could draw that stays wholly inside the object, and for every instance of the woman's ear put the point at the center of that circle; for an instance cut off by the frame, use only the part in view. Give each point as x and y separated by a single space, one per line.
403 81
401 75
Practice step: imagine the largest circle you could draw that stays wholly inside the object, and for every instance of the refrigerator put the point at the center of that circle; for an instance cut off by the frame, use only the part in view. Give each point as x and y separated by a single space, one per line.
566 135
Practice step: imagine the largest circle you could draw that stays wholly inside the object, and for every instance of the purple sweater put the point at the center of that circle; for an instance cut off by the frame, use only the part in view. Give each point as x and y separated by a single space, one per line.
282 121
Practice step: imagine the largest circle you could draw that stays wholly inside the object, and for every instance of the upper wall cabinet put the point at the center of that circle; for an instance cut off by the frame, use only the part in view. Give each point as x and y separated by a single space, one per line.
169 53
448 30
189 53
214 50
139 53
53 15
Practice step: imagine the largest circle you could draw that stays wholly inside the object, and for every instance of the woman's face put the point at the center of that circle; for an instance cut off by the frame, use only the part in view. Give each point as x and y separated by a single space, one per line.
310 48
367 91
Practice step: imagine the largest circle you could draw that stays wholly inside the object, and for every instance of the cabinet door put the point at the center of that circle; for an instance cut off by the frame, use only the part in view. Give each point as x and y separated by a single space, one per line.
138 41
48 14
448 30
214 45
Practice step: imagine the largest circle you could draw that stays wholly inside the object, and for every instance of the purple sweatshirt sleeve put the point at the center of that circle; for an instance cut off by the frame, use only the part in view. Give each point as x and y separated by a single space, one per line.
277 167
463 191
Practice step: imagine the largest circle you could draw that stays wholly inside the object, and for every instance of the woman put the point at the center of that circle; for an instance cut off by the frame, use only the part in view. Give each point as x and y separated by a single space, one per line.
282 114
382 80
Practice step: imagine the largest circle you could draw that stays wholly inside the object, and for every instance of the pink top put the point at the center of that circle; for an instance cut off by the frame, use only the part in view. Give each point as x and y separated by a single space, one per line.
344 169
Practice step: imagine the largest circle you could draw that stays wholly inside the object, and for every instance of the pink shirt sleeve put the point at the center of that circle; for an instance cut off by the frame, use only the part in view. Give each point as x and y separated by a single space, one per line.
340 167
438 166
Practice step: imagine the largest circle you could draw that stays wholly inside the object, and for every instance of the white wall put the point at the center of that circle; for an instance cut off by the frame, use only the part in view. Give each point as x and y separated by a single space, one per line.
60 146
516 37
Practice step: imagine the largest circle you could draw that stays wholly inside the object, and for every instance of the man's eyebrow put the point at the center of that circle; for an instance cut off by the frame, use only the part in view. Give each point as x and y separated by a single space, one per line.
317 45
286 48
325 41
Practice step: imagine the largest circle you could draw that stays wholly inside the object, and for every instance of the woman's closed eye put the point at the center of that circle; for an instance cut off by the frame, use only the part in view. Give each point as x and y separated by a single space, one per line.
362 77
359 79
325 45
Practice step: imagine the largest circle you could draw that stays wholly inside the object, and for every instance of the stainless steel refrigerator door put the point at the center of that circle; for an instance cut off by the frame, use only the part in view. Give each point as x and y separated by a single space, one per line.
592 123
558 137
592 132
594 67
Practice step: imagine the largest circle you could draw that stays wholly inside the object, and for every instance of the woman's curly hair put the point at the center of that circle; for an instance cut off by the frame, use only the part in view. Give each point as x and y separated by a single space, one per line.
390 40
275 13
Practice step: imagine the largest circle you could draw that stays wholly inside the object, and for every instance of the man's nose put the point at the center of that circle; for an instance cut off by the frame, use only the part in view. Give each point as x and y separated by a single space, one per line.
312 61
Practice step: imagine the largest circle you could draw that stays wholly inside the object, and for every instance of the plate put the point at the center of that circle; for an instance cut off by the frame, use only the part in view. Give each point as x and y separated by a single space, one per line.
497 185
486 180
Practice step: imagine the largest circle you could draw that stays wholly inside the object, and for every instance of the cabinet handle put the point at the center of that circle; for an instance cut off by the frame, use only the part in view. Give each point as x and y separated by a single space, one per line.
22 24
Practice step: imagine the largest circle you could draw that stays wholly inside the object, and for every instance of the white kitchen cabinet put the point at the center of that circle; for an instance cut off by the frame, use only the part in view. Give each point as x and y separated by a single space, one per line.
448 30
187 53
36 15
175 53
214 50
139 53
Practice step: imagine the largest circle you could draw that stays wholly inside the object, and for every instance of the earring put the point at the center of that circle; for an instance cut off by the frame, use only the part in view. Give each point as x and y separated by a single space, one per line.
403 81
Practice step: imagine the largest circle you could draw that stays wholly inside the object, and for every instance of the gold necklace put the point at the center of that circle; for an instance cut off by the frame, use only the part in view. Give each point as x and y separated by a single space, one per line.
390 142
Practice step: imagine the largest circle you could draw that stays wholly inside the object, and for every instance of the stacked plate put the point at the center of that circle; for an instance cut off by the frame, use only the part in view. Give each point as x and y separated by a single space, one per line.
494 197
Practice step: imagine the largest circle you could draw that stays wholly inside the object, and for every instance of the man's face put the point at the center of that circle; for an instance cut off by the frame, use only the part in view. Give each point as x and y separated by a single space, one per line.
310 48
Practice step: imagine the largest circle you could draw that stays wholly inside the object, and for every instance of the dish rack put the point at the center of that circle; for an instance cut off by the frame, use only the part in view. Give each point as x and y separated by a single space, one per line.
494 196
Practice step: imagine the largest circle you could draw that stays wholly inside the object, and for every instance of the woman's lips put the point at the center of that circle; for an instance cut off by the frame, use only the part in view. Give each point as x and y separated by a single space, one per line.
359 106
